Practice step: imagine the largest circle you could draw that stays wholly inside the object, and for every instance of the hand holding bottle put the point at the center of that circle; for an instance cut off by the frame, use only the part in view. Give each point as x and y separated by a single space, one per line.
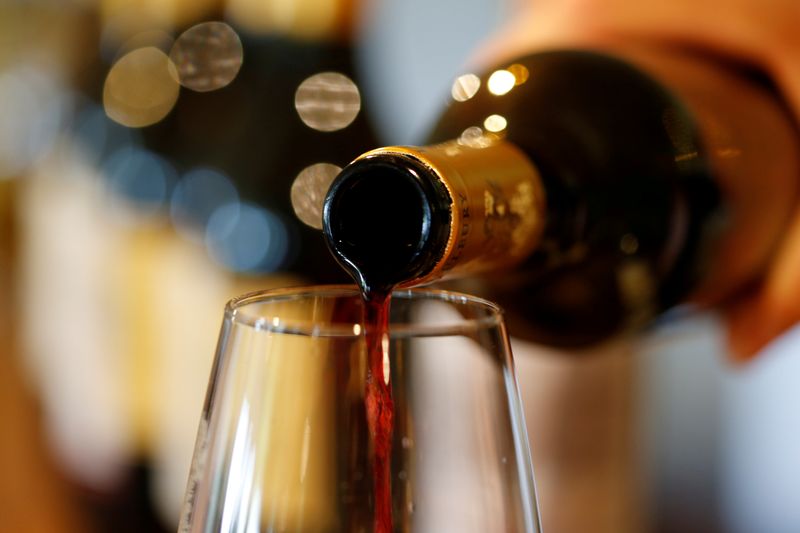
751 35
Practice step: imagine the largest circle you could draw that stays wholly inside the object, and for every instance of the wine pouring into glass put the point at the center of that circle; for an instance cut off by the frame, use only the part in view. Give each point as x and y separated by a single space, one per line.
290 440
627 167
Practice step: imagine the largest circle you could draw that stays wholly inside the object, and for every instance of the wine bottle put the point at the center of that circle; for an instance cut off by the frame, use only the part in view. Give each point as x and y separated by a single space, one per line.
587 194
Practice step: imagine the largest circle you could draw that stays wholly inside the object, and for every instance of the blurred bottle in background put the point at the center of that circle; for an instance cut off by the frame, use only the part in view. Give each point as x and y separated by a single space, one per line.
167 189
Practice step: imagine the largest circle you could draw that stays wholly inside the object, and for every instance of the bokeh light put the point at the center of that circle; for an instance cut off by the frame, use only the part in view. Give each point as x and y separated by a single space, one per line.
198 194
500 82
495 123
475 137
327 101
207 56
520 73
96 136
629 244
139 178
309 190
247 238
465 87
141 88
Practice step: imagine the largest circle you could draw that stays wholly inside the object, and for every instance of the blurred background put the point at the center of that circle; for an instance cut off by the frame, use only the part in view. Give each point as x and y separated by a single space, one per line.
158 157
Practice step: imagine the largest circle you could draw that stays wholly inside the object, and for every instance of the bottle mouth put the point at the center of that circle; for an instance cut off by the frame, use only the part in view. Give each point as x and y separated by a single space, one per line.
386 219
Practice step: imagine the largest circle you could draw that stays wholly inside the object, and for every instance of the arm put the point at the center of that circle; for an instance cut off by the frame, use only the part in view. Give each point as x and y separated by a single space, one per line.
757 35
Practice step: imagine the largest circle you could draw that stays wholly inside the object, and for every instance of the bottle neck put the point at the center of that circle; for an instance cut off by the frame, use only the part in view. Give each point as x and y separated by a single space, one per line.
405 216
497 204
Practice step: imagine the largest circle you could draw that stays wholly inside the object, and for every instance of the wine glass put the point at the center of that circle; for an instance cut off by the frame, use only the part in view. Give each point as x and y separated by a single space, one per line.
284 444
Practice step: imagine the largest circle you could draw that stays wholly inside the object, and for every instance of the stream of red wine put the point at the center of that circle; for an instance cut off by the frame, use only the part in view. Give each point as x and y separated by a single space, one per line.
379 404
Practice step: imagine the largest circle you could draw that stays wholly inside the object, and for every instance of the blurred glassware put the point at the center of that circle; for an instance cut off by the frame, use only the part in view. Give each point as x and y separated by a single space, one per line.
284 444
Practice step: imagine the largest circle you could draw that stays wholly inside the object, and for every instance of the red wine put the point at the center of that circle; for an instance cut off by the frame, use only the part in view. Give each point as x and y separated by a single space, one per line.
369 418
379 404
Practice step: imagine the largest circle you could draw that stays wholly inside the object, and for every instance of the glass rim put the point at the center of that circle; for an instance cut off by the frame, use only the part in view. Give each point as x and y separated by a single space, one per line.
234 312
